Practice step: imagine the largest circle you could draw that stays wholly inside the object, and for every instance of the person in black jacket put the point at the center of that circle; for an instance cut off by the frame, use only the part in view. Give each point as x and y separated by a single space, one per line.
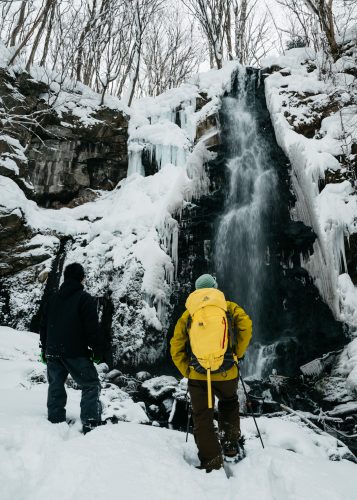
70 339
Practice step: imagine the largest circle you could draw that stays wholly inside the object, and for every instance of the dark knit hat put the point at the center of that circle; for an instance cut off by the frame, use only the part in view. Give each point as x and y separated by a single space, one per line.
206 281
74 271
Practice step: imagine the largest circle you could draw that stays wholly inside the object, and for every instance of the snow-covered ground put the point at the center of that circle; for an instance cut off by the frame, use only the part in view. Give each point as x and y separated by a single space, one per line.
40 460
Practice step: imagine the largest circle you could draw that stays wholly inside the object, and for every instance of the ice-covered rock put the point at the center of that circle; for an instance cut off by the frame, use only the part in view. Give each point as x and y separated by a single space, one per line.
159 388
314 119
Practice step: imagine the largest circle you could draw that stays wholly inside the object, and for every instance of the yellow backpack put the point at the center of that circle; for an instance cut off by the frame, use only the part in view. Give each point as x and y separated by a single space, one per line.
210 333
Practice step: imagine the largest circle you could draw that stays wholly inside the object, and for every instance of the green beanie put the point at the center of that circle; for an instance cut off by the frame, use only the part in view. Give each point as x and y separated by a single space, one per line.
206 281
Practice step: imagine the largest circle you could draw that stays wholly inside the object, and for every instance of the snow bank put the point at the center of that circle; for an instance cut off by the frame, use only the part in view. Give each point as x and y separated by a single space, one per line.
22 374
39 459
297 98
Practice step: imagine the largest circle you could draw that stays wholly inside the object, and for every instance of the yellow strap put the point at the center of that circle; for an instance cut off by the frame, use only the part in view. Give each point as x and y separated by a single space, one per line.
209 388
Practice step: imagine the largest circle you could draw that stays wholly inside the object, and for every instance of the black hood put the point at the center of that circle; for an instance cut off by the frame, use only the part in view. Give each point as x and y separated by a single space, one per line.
69 287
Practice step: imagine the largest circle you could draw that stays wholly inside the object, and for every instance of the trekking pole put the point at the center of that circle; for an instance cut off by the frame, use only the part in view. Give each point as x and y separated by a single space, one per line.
251 411
188 416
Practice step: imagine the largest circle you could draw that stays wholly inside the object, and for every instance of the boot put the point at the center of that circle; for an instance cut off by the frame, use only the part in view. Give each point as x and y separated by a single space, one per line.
214 464
89 426
234 452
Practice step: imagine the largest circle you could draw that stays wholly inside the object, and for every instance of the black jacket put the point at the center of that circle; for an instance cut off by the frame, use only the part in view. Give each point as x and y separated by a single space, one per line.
70 323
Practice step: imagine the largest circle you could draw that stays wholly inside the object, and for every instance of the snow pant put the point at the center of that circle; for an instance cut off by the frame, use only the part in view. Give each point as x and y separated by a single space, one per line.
208 442
85 375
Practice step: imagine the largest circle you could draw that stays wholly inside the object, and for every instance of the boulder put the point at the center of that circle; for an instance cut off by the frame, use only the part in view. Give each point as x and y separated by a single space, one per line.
158 389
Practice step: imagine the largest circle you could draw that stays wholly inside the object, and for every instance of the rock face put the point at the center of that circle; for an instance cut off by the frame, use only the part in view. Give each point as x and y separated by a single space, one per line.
69 147
71 157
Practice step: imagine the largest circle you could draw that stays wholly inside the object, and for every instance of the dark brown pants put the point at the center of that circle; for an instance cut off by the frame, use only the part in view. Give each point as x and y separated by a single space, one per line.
206 438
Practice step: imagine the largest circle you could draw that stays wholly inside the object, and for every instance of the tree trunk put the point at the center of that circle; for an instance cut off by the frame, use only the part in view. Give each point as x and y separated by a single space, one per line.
126 73
136 75
19 24
82 38
48 35
38 37
240 23
31 31
228 31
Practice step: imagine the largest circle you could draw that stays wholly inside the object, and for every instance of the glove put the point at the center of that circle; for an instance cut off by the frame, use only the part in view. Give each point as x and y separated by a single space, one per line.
96 358
43 358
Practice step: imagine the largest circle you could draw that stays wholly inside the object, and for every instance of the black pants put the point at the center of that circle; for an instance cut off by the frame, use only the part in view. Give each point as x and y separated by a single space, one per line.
208 443
85 375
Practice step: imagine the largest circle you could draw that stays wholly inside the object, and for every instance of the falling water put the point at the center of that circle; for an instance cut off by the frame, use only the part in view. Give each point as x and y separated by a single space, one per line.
241 245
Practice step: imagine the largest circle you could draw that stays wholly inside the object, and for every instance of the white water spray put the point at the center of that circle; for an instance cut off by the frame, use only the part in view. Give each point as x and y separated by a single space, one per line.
241 247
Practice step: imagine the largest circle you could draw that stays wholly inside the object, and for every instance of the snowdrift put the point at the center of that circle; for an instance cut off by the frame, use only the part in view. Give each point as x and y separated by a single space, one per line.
131 461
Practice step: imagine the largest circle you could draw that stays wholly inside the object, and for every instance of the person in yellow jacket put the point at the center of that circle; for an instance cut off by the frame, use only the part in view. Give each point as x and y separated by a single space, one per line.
224 387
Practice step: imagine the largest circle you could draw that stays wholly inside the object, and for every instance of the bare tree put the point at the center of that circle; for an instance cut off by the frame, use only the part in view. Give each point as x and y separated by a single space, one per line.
213 16
20 22
171 53
253 33
48 12
119 46
40 18
240 20
324 13
144 11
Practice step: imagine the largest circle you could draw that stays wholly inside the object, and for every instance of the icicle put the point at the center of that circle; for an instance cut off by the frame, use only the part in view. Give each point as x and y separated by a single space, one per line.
135 165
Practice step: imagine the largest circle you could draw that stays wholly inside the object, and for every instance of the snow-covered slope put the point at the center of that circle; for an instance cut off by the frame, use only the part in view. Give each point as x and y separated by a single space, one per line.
313 108
132 461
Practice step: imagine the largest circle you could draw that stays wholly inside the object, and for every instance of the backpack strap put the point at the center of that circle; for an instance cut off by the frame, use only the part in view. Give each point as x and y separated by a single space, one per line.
188 323
233 337
231 331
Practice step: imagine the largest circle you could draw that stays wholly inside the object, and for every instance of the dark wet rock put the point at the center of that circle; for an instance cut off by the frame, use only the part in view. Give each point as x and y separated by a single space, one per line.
167 405
113 374
344 409
271 69
158 389
143 375
351 256
61 167
84 196
153 411
201 101
20 247
65 155
333 390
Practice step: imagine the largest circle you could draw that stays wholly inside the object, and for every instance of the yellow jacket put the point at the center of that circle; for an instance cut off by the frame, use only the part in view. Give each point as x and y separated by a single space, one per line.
180 356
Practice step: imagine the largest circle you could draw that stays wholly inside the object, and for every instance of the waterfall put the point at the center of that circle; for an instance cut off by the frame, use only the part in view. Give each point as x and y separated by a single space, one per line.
241 246
258 247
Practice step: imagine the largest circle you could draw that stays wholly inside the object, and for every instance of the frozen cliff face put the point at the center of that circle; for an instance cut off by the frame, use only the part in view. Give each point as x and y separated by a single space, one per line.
314 115
126 238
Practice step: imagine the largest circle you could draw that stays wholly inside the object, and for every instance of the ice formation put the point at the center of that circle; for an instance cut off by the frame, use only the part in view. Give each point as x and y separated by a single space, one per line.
330 211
